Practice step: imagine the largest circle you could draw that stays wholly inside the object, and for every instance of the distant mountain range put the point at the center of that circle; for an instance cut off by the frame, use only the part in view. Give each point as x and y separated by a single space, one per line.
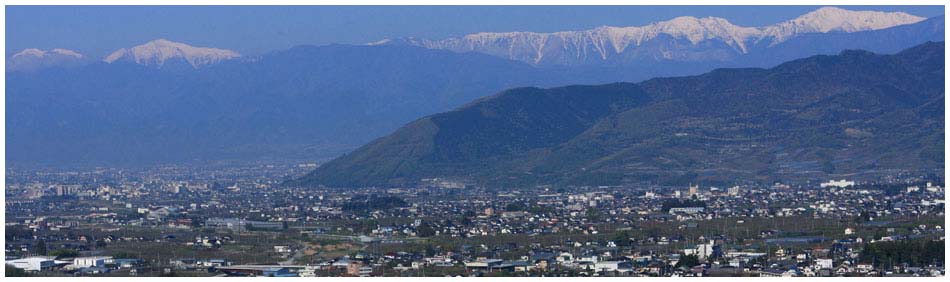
683 39
158 51
153 53
853 114
708 42
166 101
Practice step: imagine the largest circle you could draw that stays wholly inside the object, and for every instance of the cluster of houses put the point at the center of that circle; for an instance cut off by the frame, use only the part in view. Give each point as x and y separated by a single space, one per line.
76 266
457 211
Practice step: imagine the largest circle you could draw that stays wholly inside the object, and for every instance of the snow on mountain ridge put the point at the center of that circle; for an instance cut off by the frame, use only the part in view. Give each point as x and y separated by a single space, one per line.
604 40
67 52
608 41
40 53
30 52
830 19
32 59
700 29
157 52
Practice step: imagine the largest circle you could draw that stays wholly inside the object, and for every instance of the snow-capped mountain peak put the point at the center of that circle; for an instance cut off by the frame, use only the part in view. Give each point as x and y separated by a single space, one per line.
30 52
832 19
683 38
700 29
67 52
595 44
32 59
34 52
157 52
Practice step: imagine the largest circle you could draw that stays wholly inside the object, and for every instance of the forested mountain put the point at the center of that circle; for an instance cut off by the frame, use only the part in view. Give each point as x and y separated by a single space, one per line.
854 113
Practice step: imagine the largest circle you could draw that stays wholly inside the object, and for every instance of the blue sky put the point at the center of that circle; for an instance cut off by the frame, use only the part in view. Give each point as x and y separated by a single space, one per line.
98 30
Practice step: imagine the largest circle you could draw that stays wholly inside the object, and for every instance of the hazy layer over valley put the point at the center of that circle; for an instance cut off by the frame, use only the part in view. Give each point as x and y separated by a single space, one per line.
168 102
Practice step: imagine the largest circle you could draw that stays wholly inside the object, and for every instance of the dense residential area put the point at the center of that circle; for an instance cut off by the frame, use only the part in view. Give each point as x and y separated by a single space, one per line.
171 221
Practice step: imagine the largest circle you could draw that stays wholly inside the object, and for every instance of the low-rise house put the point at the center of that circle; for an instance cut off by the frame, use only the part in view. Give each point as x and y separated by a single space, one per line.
610 266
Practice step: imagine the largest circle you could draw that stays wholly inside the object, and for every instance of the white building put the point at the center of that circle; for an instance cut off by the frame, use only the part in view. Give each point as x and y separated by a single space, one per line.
933 189
687 210
837 183
610 266
37 263
702 251
282 249
483 263
848 231
734 191
83 262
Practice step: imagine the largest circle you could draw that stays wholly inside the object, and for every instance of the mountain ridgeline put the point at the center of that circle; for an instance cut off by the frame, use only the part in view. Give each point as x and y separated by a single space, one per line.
703 41
856 114
168 102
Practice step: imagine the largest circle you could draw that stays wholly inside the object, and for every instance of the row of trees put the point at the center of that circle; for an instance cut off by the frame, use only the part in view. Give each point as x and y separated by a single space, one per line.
920 252
368 203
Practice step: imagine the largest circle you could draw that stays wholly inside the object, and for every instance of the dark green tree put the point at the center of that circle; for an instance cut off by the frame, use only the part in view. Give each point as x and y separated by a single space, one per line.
687 261
40 248
622 239
64 253
425 230
10 271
